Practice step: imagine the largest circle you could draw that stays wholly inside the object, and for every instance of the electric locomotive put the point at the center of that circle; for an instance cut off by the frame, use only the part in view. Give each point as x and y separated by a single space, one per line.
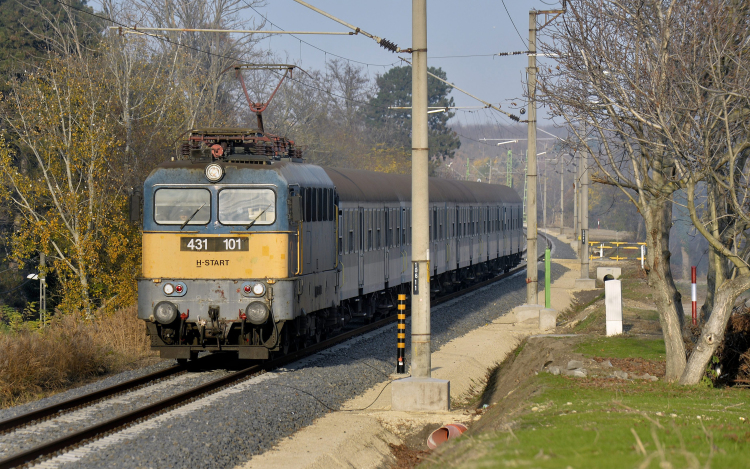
249 250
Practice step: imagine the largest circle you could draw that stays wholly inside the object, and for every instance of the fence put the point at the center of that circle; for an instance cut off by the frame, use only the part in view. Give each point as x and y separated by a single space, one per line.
617 250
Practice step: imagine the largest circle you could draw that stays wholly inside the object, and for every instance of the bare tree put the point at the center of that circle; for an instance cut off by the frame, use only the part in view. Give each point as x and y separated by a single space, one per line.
210 95
712 95
662 86
612 67
148 105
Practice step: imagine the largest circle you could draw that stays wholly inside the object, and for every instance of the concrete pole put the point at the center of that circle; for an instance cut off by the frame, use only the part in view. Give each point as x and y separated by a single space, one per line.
544 207
420 299
562 193
531 229
576 188
584 215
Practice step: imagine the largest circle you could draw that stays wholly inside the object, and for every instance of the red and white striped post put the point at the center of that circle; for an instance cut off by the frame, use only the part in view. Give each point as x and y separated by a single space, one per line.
694 292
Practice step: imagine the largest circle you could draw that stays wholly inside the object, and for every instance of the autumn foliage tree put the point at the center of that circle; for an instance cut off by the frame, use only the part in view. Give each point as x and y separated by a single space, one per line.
62 179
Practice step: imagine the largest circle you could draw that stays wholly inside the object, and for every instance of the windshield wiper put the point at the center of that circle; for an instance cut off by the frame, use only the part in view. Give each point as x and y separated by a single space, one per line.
191 216
256 218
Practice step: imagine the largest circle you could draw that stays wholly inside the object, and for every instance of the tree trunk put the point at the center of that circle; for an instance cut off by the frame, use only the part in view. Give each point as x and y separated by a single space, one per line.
657 217
685 262
712 334
708 305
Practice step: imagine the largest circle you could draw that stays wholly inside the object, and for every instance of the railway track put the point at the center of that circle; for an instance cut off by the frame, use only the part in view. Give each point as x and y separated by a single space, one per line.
106 427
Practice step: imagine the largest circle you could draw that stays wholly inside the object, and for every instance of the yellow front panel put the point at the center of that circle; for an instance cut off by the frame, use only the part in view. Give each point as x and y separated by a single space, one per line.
267 257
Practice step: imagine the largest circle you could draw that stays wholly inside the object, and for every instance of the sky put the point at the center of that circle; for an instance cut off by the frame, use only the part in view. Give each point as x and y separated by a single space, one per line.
476 28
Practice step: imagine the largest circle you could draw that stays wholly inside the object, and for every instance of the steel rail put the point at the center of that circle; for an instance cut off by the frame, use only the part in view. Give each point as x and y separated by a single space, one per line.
24 419
182 398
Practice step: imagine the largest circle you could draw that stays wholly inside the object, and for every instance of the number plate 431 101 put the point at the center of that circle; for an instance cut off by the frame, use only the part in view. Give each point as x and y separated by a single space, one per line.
214 244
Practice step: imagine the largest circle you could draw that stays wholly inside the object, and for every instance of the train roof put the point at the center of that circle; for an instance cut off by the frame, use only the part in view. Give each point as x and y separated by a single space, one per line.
351 184
371 186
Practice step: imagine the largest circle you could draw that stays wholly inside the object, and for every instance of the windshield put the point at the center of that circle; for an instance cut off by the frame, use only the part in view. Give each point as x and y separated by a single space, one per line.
242 206
175 206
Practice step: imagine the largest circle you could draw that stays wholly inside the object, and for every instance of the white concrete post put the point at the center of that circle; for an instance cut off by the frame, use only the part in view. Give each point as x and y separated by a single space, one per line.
613 306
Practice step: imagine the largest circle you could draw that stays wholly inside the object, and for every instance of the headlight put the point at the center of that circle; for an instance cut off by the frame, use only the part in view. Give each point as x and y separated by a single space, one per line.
165 312
259 289
257 312
214 172
168 288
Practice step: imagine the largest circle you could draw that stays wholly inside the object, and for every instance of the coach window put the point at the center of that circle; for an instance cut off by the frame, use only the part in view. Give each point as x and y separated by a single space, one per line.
399 227
453 225
325 212
177 206
322 205
340 232
329 205
393 228
307 202
404 225
391 222
332 203
408 216
378 225
313 205
350 229
368 228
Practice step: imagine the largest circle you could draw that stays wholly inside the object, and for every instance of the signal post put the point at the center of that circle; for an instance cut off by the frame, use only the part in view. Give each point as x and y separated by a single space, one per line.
420 392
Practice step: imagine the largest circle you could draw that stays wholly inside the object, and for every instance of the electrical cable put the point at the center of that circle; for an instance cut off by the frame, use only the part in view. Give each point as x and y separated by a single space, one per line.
339 410
315 47
316 398
17 287
514 24
164 39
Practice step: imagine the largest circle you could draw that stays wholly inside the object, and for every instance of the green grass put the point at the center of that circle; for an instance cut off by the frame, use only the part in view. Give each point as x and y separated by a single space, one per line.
623 347
573 424
645 314
593 317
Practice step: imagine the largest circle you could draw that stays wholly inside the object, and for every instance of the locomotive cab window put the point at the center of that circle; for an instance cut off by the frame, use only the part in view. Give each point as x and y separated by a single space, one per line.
177 206
245 206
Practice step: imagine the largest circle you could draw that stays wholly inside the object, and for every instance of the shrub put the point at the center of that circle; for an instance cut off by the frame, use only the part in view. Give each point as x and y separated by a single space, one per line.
68 351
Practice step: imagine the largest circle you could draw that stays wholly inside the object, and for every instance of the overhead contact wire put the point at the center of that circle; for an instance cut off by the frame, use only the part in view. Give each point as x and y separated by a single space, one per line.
165 39
302 41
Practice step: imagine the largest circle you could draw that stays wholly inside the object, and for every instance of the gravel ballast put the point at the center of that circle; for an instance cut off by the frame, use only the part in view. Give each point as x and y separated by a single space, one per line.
228 427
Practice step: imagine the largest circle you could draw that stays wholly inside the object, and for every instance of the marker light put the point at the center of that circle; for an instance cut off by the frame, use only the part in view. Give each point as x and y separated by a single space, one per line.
178 288
214 172
248 288
259 289
168 288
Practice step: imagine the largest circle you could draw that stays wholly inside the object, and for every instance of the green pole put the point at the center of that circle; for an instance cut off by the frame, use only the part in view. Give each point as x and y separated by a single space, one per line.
547 276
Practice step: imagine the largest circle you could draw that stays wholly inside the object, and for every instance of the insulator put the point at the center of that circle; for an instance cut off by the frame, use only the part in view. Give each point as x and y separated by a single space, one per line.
388 45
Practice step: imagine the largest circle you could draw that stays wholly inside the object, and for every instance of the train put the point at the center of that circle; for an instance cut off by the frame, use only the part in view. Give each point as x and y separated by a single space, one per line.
249 250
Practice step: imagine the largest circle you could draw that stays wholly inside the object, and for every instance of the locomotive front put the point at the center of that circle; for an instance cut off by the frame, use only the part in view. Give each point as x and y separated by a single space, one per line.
218 252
